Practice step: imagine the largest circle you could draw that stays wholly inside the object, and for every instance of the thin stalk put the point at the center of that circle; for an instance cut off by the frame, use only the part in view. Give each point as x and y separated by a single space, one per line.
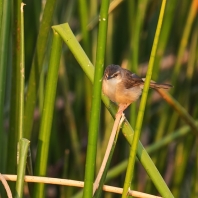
108 153
139 19
96 102
133 150
36 67
83 10
58 181
4 54
194 191
69 115
23 143
182 112
69 38
1 14
183 152
22 78
164 35
6 186
47 114
14 134
23 150
134 45
101 177
65 173
184 40
29 169
132 6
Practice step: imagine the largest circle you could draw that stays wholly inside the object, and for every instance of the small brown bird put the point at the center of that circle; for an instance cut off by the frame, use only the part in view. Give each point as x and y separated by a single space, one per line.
124 87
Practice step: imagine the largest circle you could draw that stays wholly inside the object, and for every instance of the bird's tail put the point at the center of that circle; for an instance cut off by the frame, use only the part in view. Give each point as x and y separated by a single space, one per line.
155 85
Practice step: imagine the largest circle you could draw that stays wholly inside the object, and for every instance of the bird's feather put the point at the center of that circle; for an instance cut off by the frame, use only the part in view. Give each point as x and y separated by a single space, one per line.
131 80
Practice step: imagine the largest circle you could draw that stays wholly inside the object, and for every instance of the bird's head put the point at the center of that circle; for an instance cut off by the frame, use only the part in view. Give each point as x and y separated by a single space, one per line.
113 73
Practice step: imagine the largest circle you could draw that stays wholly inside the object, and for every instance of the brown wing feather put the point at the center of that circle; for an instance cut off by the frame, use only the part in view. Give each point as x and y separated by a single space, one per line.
131 80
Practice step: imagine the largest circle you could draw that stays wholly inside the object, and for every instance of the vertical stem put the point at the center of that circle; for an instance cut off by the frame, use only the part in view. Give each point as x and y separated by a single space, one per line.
15 90
184 40
4 54
22 78
96 102
23 150
133 150
47 114
164 35
36 67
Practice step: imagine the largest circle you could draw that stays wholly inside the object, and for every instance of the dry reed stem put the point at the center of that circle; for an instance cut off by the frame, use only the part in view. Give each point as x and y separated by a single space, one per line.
182 112
6 186
68 182
108 150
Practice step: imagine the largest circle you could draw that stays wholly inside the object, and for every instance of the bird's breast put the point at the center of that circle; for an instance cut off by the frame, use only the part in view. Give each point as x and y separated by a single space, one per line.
109 89
116 92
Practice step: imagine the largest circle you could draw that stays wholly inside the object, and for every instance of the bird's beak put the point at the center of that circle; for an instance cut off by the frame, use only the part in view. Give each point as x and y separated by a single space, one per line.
108 77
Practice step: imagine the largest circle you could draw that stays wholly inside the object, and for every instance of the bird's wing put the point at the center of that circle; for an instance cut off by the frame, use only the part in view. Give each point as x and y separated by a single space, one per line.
132 80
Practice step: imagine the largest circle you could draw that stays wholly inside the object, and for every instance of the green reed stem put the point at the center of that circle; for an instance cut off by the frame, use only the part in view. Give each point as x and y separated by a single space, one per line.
36 67
182 112
103 177
164 35
96 101
69 115
133 150
23 146
14 134
4 54
47 114
135 41
184 40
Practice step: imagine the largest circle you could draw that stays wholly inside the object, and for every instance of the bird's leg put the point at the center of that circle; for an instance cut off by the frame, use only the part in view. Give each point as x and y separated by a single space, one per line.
121 108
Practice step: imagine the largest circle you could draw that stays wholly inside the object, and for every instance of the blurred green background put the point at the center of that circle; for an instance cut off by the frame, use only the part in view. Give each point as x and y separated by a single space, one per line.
131 30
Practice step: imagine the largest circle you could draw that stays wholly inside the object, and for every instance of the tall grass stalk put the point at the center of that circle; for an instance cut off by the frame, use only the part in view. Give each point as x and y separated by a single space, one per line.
69 115
86 44
47 113
23 147
185 36
182 112
164 36
136 27
14 133
133 150
96 101
4 54
36 66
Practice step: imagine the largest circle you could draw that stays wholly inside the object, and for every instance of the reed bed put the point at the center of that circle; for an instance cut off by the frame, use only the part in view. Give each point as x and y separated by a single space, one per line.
54 121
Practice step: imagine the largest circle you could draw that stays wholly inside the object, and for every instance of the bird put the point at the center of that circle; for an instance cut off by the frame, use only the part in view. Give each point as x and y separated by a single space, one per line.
123 87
